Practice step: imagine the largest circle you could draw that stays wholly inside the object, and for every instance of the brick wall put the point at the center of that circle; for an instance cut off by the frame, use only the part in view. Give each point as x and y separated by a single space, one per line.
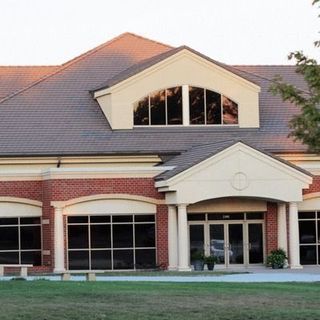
62 190
162 236
314 187
271 227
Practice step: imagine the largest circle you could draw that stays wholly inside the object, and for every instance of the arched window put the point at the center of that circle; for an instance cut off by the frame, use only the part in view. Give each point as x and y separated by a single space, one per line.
209 107
163 107
166 107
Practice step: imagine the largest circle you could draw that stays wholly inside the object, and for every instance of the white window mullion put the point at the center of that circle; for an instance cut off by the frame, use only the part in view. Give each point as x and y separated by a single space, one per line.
19 239
205 105
185 105
149 110
221 108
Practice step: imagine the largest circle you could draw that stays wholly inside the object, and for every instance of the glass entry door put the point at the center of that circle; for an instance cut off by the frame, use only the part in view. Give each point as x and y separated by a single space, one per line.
217 243
235 243
232 242
226 242
255 243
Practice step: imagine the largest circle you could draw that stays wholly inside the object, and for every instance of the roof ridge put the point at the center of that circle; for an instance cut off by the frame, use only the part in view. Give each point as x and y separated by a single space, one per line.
263 65
64 66
145 38
31 66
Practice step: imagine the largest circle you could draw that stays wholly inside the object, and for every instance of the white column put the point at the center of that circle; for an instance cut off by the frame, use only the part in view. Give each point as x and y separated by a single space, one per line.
172 238
282 227
183 242
294 254
185 105
58 241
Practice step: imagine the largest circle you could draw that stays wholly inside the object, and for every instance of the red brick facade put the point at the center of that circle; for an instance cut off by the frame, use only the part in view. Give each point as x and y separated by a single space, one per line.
62 190
314 187
271 227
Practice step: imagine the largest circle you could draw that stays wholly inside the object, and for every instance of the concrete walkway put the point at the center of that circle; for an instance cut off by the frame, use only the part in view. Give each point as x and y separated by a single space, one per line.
253 277
307 274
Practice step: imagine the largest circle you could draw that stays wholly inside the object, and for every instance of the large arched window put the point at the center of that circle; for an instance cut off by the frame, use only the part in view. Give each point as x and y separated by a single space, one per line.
202 106
209 107
163 107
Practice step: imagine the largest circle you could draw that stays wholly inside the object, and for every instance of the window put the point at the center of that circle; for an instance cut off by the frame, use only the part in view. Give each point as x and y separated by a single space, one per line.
116 242
166 107
20 240
162 107
209 107
309 237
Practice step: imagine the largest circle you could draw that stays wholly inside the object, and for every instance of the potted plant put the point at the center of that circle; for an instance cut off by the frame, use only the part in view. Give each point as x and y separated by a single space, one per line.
197 260
210 261
277 259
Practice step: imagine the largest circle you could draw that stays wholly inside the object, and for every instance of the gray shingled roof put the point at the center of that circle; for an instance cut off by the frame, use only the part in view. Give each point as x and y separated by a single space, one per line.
58 116
13 78
197 154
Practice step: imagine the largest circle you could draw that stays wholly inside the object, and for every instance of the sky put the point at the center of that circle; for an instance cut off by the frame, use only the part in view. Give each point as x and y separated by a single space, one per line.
47 32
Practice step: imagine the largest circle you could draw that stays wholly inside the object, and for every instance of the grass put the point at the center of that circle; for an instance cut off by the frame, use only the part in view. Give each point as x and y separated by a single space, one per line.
45 300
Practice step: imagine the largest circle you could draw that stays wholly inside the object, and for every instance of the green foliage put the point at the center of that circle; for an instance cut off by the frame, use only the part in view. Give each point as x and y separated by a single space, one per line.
210 259
277 258
305 126
197 256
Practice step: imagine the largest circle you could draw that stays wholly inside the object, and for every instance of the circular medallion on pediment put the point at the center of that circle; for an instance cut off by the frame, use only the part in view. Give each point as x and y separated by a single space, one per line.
240 181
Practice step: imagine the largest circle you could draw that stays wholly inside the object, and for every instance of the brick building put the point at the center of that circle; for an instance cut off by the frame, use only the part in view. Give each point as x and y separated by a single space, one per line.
137 155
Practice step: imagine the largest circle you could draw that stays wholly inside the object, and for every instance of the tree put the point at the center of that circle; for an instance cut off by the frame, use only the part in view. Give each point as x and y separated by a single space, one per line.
304 126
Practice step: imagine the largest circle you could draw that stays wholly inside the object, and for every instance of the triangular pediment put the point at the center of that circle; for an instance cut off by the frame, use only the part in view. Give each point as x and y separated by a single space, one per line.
237 171
183 67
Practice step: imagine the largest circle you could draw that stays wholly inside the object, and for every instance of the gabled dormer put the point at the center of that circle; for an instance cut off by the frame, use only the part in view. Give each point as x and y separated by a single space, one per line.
179 88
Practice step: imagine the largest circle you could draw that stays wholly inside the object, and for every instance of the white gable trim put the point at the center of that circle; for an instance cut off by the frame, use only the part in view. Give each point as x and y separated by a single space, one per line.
163 63
304 178
217 177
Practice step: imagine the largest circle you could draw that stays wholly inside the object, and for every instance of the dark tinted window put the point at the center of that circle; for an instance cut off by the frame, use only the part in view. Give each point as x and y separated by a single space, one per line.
78 219
30 237
307 231
9 238
100 236
144 218
116 219
145 258
78 236
196 105
174 105
123 236
254 215
8 221
157 107
141 112
35 220
196 217
213 107
79 260
145 235
100 219
307 215
123 259
230 111
101 260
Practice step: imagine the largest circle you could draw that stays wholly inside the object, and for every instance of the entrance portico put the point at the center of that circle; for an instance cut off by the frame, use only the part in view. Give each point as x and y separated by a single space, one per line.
238 171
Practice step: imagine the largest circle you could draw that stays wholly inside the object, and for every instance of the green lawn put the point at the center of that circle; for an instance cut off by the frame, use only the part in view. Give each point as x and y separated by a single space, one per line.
40 300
